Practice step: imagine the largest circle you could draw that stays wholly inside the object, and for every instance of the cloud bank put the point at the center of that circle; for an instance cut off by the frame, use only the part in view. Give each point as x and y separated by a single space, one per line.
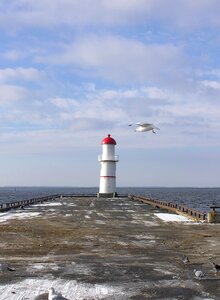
73 71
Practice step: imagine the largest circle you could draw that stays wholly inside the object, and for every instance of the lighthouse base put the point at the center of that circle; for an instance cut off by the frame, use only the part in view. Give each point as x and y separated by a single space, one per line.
107 195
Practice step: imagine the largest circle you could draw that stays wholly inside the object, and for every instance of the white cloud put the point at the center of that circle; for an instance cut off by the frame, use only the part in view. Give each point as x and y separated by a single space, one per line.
11 93
13 55
97 109
211 84
98 112
64 103
29 74
43 13
46 13
120 59
177 114
156 93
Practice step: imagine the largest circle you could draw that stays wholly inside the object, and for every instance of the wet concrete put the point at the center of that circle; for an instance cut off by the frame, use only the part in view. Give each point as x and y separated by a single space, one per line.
114 243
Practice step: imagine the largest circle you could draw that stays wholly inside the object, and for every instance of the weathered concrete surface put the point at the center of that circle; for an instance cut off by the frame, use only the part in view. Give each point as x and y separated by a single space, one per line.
89 248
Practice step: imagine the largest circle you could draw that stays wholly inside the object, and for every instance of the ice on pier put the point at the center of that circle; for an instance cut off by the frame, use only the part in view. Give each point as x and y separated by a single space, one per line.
70 289
172 217
17 215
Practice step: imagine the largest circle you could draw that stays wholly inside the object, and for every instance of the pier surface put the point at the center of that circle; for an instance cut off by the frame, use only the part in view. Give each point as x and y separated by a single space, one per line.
92 248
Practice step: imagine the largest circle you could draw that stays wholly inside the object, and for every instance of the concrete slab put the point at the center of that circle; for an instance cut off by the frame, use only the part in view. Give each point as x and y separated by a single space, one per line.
94 248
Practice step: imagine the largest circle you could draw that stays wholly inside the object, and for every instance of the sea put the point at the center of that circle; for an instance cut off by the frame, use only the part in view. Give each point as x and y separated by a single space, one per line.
196 198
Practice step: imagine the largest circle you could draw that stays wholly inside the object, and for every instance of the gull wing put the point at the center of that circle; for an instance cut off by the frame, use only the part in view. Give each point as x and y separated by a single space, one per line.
143 124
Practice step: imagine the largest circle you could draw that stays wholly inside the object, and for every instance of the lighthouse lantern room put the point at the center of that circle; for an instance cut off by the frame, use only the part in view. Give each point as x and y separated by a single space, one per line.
108 159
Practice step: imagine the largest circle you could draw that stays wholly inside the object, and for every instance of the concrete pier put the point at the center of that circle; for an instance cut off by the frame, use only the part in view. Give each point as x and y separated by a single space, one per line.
97 248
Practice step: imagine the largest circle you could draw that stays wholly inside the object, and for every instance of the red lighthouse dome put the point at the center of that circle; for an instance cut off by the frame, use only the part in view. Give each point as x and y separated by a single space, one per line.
108 140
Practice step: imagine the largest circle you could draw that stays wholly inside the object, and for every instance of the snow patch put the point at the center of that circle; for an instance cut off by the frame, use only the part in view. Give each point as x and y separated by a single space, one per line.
172 217
49 204
71 289
42 266
18 215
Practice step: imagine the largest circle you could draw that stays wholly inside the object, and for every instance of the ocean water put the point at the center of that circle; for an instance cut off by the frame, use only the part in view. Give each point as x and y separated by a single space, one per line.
196 198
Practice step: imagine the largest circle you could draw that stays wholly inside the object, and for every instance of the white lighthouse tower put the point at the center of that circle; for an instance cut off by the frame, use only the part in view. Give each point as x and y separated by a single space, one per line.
108 159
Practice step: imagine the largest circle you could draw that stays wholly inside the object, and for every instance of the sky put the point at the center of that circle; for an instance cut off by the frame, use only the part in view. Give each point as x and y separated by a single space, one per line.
73 71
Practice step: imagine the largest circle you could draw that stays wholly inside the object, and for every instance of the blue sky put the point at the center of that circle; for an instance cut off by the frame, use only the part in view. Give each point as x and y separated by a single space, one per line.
73 71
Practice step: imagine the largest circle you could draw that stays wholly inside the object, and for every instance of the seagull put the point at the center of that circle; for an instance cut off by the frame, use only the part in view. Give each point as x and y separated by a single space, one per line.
199 274
53 295
43 296
217 267
92 204
185 259
142 127
5 267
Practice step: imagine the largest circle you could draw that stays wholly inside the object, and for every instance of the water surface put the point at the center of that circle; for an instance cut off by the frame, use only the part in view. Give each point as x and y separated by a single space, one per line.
196 198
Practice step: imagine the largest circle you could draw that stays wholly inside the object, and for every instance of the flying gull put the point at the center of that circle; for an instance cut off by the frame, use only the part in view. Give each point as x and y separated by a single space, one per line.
142 127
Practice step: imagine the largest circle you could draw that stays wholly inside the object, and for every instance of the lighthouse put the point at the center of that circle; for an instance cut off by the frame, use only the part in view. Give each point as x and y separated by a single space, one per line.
108 159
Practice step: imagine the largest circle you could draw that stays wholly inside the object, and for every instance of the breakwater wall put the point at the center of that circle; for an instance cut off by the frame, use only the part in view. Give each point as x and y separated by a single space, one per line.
177 208
21 203
211 217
